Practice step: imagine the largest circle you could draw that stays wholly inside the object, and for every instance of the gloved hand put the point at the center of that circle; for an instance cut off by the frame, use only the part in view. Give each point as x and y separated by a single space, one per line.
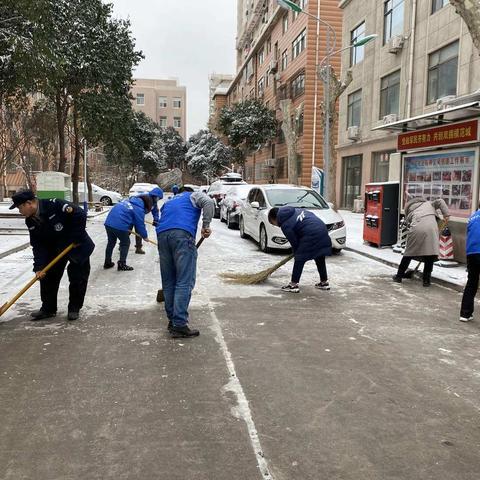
155 223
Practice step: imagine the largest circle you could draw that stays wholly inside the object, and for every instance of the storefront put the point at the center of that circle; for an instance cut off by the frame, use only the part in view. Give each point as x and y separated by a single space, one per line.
442 161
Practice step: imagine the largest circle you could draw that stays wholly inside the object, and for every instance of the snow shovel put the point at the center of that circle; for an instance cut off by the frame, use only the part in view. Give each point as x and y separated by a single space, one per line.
7 305
146 239
254 278
160 296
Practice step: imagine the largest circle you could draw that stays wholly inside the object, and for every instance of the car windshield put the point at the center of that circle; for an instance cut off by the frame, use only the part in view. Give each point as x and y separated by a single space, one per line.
296 197
239 191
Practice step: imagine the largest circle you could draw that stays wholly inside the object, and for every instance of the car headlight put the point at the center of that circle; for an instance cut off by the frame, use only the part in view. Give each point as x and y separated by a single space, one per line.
338 225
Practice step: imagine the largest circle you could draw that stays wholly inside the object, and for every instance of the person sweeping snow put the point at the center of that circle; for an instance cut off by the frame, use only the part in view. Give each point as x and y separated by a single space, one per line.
309 239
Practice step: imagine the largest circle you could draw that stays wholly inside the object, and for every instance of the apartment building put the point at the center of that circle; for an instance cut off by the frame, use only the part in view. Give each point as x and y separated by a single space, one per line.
423 59
164 101
278 52
216 81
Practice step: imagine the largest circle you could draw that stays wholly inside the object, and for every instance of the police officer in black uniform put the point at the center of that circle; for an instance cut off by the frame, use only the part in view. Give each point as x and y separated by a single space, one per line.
53 225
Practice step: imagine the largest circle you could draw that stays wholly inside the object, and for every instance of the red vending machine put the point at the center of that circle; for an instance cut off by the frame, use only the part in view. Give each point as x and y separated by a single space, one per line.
380 225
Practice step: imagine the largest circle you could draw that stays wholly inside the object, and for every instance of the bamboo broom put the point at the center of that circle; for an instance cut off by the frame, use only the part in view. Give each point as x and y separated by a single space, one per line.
254 278
7 305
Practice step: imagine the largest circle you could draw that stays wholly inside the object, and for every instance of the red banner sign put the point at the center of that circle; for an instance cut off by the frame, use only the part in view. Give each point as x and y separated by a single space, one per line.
454 134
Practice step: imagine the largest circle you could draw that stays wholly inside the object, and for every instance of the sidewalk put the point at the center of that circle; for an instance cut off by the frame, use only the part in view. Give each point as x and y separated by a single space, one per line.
454 277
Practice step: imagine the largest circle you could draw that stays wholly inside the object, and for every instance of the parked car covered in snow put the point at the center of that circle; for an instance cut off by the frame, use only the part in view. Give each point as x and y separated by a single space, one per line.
141 188
231 204
99 194
254 215
219 188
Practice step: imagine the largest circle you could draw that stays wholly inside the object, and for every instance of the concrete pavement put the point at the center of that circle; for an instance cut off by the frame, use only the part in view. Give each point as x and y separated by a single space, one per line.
372 380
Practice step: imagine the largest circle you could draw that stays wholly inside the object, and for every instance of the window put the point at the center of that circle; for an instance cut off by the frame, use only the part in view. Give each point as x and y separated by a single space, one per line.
267 78
140 99
392 19
162 121
298 45
162 102
284 60
269 45
438 4
285 23
298 85
390 94
177 122
442 72
301 4
261 56
354 109
357 53
381 162
261 87
177 102
300 124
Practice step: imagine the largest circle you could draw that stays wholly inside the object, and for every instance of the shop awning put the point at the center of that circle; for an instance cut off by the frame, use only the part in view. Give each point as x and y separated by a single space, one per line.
433 119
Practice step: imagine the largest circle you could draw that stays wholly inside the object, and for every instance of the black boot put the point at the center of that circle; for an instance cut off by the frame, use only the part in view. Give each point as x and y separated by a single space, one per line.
170 325
426 281
108 264
183 332
41 315
140 251
397 278
123 267
72 315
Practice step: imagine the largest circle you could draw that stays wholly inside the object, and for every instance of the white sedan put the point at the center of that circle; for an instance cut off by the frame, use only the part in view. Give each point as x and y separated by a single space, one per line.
140 189
254 215
107 197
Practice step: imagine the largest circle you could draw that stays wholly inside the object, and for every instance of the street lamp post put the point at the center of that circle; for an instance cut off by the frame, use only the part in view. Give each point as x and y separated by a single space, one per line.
290 5
85 191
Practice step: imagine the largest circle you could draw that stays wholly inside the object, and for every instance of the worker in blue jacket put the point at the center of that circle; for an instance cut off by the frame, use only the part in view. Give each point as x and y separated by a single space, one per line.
118 224
473 267
309 239
156 194
175 189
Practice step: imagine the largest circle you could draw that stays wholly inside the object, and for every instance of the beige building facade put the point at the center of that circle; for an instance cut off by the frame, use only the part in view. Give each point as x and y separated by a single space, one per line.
216 81
164 101
423 58
277 54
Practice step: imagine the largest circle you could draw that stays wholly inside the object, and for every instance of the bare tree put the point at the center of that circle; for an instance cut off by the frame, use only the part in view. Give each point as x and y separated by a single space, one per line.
290 129
337 87
469 10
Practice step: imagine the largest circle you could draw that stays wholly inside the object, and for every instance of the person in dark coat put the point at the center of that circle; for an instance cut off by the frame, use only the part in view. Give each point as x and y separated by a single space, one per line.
119 222
309 239
53 225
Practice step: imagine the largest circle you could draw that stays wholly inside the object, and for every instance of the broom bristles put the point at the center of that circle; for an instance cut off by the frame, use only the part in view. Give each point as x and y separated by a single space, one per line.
254 278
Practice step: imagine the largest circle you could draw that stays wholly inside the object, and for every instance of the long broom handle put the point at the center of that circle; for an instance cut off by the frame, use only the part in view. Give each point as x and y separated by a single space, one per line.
146 239
7 305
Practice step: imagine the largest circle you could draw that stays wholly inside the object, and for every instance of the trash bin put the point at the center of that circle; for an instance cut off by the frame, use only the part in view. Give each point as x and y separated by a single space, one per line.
54 185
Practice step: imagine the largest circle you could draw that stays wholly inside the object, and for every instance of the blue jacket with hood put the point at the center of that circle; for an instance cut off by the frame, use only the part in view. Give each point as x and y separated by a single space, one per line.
126 214
306 233
156 194
473 233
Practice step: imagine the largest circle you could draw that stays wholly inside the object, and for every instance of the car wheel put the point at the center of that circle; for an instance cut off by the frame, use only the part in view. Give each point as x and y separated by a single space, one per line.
242 228
106 200
263 243
336 251
230 225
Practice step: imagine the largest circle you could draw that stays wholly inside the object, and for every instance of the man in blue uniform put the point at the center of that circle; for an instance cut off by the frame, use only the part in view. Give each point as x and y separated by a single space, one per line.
473 267
119 222
176 232
156 194
309 239
53 225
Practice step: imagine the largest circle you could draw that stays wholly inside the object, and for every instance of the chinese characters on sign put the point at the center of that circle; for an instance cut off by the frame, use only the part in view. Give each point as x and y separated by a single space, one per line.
450 134
441 175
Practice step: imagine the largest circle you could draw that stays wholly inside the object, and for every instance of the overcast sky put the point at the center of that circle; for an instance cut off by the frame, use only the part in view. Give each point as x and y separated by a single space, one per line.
185 39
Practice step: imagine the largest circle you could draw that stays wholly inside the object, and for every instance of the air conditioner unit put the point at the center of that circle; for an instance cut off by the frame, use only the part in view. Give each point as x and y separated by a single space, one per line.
393 117
396 43
270 162
277 77
443 102
273 67
353 132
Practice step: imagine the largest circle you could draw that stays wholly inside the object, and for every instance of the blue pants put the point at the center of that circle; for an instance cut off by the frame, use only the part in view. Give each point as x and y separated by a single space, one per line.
178 265
113 234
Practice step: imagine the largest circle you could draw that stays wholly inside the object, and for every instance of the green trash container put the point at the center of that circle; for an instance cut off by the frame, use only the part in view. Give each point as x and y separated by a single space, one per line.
54 185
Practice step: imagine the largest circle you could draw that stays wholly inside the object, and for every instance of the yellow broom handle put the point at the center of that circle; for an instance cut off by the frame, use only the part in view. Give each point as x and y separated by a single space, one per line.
7 305
146 239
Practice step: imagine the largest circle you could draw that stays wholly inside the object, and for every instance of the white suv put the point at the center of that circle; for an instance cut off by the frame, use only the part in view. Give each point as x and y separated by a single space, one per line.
254 215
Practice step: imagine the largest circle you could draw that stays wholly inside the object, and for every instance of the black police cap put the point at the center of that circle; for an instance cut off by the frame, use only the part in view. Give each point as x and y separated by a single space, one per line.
21 197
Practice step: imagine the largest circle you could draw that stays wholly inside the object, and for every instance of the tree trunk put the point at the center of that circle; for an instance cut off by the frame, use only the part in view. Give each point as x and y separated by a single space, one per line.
291 140
76 159
61 106
469 10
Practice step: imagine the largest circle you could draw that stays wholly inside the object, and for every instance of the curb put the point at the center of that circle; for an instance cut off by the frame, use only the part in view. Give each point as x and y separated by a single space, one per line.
438 281
14 250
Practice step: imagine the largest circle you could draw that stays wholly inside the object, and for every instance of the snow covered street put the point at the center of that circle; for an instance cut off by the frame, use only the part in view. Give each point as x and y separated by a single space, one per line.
372 380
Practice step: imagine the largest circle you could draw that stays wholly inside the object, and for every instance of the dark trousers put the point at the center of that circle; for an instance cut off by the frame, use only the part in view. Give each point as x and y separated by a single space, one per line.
123 236
78 274
138 241
473 267
427 269
298 269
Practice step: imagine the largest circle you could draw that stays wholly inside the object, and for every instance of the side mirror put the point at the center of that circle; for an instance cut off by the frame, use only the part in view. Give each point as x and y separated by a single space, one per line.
255 205
331 205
